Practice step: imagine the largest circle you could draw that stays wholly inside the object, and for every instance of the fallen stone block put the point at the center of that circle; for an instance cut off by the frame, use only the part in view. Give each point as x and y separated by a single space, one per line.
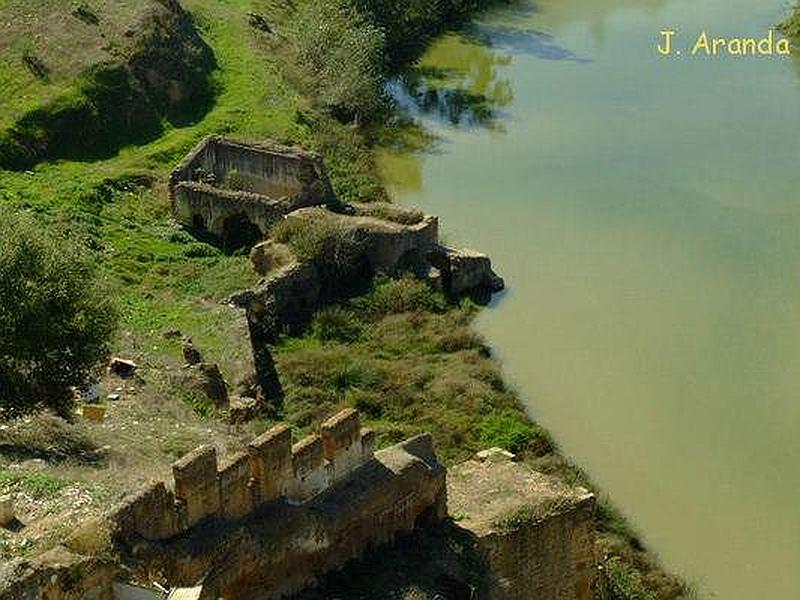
191 355
270 256
465 271
122 367
242 410
207 379
7 514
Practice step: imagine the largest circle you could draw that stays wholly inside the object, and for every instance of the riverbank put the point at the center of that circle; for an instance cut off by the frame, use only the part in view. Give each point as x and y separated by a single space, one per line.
401 354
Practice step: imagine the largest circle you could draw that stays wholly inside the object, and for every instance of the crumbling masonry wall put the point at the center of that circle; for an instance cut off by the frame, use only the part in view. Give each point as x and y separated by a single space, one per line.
552 559
272 469
267 522
223 187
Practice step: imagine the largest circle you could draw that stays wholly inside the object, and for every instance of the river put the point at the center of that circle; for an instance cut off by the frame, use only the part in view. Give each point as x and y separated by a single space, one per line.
644 212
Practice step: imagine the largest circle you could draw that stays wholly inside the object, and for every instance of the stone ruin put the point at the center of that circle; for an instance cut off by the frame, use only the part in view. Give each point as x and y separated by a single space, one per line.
233 193
264 524
292 290
274 183
270 522
535 535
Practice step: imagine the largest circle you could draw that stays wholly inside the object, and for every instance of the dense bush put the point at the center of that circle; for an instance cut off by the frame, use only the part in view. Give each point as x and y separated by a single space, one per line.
55 321
333 248
791 26
336 324
395 296
340 56
624 582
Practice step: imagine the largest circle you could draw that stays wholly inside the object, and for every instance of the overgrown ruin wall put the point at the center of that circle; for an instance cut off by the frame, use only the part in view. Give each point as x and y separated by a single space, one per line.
224 213
290 293
223 186
535 534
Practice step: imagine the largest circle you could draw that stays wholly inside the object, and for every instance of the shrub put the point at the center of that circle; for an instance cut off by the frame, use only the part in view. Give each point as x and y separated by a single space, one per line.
395 296
340 55
55 319
333 248
382 210
624 582
198 250
234 180
336 325
460 338
791 26
511 431
529 514
410 24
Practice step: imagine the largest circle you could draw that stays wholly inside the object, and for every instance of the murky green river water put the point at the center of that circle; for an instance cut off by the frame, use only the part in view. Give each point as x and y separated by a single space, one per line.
645 212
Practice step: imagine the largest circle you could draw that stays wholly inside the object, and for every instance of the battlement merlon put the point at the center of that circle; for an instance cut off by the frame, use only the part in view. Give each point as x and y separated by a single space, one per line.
270 463
235 497
341 435
368 443
196 486
311 473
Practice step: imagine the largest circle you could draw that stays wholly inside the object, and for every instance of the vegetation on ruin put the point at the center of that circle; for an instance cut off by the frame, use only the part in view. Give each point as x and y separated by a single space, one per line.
410 364
530 514
401 354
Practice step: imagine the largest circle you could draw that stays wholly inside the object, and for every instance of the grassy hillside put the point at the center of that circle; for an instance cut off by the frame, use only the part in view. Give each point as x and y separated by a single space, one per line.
75 41
102 76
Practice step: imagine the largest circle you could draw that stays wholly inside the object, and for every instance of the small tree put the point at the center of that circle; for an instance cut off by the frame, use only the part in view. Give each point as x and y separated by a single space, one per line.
340 54
55 321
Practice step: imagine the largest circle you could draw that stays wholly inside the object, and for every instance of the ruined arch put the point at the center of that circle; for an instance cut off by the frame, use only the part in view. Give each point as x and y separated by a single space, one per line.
239 232
411 261
198 223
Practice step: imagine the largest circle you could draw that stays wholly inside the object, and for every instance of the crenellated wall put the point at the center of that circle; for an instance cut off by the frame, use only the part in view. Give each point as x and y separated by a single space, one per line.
197 492
271 469
267 522
270 464
271 521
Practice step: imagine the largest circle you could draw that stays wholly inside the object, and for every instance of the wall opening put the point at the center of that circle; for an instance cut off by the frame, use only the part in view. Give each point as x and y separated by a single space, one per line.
240 233
198 223
411 262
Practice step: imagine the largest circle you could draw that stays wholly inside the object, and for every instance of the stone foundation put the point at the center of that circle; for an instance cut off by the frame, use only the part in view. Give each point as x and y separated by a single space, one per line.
535 535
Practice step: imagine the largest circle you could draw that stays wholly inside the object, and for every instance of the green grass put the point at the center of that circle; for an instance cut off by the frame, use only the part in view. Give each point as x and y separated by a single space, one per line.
41 486
70 47
527 514
625 583
409 363
162 277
